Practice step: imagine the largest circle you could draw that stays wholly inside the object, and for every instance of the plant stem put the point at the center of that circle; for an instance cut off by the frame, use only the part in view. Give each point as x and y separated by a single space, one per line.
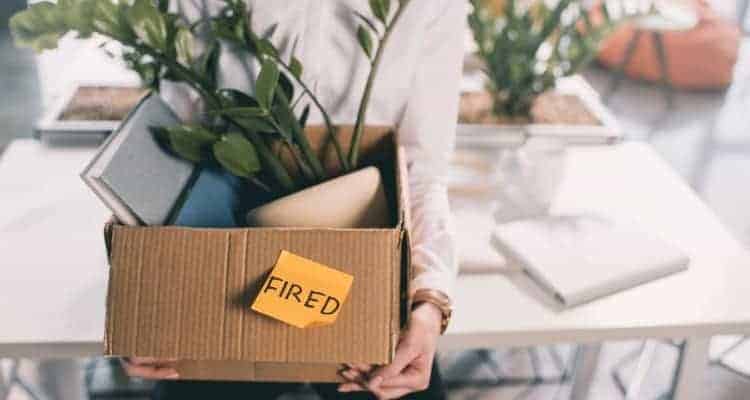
260 184
306 171
362 112
273 163
300 138
332 131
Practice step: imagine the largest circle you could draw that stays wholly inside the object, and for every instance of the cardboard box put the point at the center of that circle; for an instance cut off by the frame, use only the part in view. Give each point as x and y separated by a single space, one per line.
185 293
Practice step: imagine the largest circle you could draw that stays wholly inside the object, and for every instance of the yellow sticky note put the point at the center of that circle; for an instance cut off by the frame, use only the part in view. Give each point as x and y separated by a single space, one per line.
303 293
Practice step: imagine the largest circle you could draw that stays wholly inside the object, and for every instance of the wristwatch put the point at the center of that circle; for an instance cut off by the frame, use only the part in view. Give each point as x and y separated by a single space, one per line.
437 298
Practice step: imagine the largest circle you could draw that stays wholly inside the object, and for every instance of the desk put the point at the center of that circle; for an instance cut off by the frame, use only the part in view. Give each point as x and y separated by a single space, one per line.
52 255
628 182
54 274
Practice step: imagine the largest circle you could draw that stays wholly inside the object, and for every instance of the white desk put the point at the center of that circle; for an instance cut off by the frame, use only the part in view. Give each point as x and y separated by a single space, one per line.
54 278
628 182
52 257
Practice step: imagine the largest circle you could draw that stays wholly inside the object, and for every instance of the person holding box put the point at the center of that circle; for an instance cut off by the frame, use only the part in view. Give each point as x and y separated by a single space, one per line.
417 91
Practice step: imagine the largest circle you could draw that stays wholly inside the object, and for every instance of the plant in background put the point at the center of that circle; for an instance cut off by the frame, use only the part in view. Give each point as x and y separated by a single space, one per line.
526 47
239 131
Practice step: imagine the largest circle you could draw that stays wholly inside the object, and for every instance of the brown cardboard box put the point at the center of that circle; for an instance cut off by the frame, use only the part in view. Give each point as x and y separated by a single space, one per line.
185 293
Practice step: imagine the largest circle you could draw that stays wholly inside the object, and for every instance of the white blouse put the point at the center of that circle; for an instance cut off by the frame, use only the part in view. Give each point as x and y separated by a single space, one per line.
416 90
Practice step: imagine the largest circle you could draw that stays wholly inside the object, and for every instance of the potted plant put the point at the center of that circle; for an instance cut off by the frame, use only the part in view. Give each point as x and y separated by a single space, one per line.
525 51
250 135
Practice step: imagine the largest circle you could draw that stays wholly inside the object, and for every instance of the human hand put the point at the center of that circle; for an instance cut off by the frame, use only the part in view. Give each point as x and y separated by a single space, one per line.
150 368
412 365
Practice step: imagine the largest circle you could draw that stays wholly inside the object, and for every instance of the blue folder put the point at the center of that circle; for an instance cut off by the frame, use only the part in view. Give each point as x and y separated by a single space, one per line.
212 201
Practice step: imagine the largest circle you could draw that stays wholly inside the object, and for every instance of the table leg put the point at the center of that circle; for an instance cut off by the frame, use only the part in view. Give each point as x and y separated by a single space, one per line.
4 385
742 8
618 74
664 79
586 361
691 366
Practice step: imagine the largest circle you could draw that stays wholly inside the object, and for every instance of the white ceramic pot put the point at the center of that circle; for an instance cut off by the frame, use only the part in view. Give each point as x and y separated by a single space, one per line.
354 200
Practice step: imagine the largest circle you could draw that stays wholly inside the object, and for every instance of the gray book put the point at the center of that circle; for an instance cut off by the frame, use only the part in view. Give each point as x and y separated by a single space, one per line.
131 172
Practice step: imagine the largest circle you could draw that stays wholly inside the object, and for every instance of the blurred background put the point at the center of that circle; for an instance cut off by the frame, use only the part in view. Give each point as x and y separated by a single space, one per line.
673 73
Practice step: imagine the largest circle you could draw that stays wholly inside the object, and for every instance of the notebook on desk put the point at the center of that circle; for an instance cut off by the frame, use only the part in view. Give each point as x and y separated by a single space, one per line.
577 259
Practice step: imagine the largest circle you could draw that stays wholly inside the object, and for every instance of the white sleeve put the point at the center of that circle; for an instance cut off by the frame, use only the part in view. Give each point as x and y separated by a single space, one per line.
427 131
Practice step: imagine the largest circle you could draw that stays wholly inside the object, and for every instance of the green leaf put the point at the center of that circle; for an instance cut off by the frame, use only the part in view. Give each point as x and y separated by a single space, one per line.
148 23
184 45
237 155
209 65
242 112
304 116
231 24
380 8
188 141
265 86
367 21
160 133
296 68
255 124
39 27
365 41
286 85
235 98
231 98
265 47
78 15
284 116
111 20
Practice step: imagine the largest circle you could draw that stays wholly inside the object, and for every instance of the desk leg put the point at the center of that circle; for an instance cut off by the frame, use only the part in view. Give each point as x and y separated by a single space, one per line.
586 361
4 385
691 367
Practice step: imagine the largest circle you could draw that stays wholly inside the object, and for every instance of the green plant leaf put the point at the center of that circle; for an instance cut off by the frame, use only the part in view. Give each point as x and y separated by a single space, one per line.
237 155
78 15
265 47
147 69
295 67
286 85
285 118
188 141
209 65
160 133
231 98
110 19
241 112
365 41
148 23
255 124
265 86
303 117
235 98
184 44
380 9
39 27
366 21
